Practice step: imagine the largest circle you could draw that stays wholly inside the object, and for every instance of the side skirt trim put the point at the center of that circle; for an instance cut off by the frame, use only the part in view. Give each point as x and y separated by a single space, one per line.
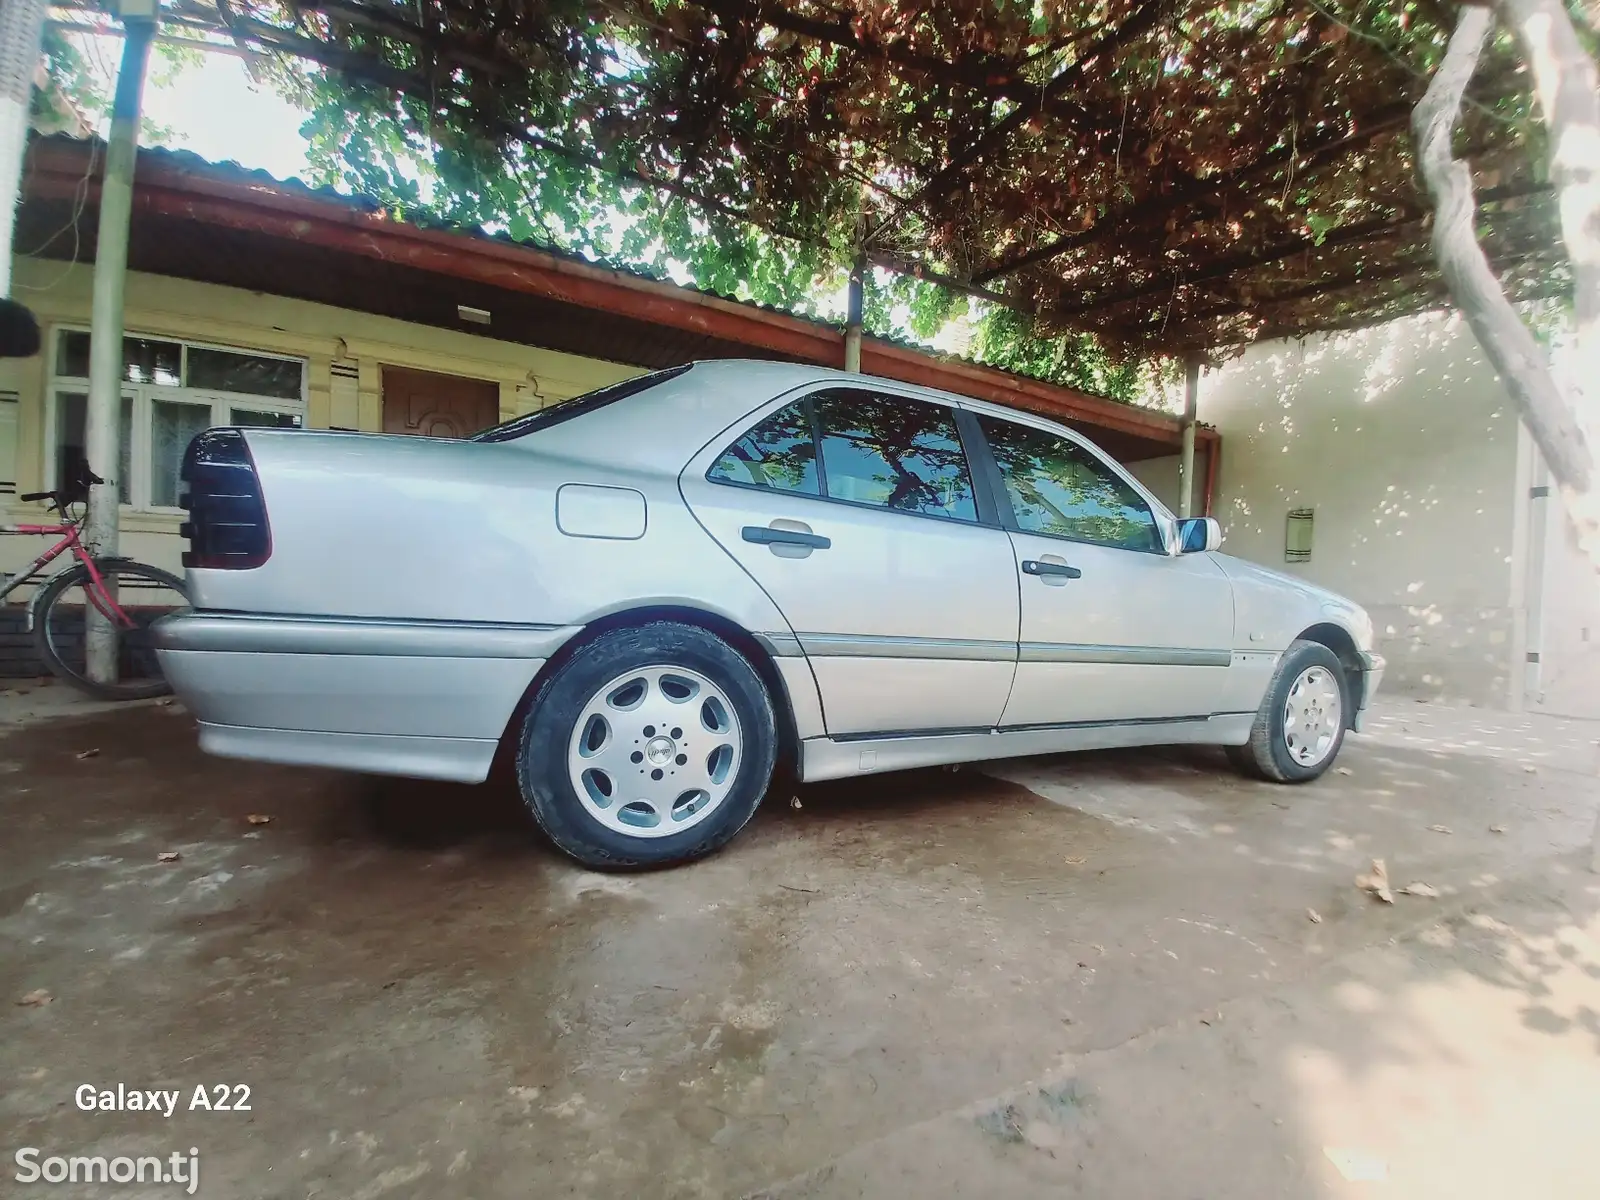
837 758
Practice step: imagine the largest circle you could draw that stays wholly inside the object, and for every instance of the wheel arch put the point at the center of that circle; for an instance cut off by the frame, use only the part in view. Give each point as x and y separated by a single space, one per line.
1339 640
728 630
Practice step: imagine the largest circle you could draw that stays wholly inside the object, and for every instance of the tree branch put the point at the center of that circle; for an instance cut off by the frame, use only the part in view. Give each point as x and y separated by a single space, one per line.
1505 339
1569 99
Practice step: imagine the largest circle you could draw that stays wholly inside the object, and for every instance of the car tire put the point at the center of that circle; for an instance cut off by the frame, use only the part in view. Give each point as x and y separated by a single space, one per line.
614 796
1279 749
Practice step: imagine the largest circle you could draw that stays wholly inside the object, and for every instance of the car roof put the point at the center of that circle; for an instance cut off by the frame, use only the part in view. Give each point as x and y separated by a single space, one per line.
674 419
785 376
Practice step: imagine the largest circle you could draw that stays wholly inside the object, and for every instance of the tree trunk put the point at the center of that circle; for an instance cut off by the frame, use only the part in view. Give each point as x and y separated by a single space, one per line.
1565 80
1568 89
1566 84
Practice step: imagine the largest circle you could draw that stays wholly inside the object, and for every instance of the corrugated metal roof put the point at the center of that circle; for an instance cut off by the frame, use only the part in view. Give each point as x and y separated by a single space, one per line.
228 225
187 160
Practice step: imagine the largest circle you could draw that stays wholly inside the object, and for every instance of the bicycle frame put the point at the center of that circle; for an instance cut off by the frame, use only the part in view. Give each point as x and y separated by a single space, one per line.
103 601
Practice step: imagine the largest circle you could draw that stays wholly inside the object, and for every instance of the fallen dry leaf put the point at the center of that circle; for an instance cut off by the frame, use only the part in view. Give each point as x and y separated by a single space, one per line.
1357 1166
92 752
1343 771
1497 829
1530 768
35 999
1077 860
1425 890
1313 916
1441 829
1377 882
259 819
168 856
794 802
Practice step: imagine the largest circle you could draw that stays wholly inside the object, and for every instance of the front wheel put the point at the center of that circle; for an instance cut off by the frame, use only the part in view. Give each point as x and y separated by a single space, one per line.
1300 725
649 746
67 614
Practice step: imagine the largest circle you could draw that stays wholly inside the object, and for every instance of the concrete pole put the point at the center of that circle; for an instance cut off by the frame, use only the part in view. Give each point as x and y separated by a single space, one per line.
103 427
21 33
852 328
1191 411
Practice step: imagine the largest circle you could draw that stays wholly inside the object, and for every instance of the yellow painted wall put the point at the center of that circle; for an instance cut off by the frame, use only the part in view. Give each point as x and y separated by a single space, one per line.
158 305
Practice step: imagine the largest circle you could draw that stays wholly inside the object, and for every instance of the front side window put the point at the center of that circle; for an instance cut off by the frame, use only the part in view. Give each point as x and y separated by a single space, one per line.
891 452
779 453
1059 488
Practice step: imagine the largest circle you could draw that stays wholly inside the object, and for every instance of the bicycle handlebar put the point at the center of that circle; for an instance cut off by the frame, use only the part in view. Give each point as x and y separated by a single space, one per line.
62 497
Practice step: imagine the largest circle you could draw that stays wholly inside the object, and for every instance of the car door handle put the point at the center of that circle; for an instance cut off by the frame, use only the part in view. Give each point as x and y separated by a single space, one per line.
1032 566
765 535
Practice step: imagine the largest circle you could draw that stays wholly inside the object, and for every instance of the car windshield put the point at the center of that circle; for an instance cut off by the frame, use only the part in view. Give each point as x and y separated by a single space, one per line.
576 407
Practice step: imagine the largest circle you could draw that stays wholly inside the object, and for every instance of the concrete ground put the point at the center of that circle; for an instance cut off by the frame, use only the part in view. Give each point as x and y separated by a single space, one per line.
1094 976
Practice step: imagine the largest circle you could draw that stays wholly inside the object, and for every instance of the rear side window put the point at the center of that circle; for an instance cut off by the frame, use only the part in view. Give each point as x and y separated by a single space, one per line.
877 450
779 453
1057 487
891 452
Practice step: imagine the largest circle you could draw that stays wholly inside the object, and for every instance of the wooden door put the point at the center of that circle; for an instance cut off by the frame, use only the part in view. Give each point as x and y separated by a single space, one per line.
431 405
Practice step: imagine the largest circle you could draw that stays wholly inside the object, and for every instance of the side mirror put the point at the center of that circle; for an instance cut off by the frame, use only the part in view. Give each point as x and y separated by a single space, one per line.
1196 535
19 332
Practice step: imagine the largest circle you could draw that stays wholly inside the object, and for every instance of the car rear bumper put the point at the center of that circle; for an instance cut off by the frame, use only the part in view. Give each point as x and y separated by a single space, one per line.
421 698
1371 677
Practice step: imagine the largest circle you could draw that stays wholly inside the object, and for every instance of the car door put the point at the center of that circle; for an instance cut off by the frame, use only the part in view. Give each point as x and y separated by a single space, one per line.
855 510
1114 628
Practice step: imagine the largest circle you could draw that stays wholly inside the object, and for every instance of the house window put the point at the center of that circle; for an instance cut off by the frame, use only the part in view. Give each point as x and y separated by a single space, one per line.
171 390
1297 537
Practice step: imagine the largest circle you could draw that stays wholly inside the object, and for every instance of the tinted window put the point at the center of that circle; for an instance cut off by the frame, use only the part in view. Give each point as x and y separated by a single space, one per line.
144 360
1057 487
228 371
778 453
893 453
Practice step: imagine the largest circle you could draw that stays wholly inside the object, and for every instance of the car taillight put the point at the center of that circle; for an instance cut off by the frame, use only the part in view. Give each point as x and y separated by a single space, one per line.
227 526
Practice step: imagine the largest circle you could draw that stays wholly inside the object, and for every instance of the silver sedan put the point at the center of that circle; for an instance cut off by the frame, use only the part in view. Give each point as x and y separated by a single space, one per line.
657 594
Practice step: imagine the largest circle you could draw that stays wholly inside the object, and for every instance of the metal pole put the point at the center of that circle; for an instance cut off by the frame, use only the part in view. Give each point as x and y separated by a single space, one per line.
103 425
21 33
1191 410
852 329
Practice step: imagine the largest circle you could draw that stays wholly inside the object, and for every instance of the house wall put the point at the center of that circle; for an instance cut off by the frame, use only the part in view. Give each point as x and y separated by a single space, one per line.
1566 627
1160 475
1405 445
360 343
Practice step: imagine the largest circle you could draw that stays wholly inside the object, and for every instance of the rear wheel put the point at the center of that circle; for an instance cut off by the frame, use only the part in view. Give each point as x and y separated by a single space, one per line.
649 746
61 626
1300 726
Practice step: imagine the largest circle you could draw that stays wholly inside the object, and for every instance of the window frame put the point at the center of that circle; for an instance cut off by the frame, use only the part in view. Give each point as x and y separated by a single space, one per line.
140 479
1164 520
983 503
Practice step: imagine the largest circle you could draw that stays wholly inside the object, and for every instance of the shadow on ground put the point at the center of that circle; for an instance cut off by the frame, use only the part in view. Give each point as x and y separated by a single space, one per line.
427 1001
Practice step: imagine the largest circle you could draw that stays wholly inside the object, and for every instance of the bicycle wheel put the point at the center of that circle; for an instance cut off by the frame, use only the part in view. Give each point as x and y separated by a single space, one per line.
62 615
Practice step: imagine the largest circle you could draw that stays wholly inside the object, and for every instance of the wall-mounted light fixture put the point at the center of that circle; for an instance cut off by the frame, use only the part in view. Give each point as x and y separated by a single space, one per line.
1297 535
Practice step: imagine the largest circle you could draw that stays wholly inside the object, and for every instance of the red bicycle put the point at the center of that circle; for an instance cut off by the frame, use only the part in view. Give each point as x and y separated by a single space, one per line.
106 598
